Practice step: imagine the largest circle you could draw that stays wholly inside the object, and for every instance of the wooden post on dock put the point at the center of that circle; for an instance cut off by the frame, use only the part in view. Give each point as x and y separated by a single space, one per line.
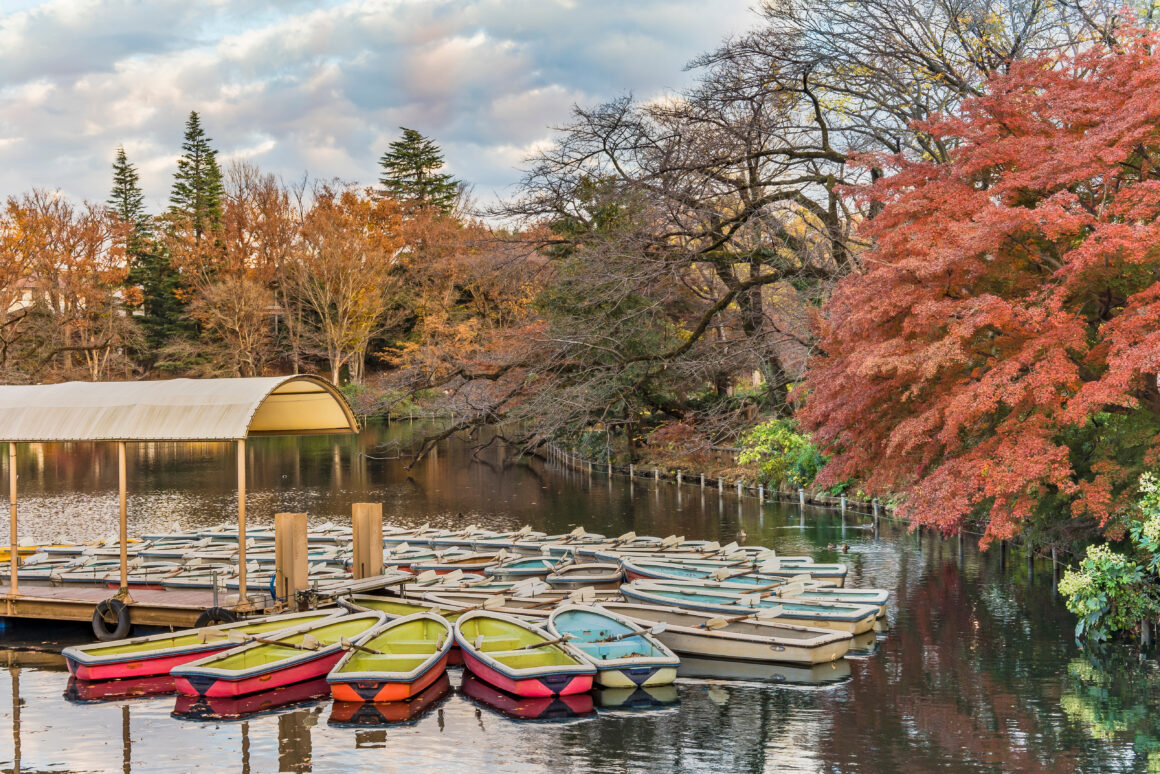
367 528
243 591
291 569
123 522
14 554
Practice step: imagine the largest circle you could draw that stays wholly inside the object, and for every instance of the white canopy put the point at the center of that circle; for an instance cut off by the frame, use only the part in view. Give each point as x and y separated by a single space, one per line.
173 410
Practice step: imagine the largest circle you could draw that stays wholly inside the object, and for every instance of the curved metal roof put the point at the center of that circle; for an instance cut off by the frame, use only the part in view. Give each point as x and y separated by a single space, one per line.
173 410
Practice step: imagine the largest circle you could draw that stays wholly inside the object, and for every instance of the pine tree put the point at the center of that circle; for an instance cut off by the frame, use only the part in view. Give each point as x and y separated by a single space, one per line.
149 267
411 173
197 185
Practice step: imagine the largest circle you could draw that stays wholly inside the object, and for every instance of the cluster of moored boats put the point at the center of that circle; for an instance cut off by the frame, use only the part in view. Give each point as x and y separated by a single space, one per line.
528 614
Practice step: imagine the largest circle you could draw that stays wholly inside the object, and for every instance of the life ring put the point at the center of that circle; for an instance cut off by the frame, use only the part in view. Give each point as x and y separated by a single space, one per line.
111 608
215 615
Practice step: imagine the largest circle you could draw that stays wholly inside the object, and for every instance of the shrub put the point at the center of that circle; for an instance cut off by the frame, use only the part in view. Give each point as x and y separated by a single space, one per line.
782 454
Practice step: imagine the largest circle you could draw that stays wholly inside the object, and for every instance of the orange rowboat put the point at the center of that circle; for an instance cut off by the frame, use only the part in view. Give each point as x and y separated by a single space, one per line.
396 662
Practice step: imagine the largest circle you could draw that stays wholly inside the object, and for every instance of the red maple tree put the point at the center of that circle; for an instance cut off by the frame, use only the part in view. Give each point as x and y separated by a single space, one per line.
997 358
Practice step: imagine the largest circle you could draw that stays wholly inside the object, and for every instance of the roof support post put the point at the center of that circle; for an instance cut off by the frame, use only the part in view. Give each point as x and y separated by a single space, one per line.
123 523
13 548
243 596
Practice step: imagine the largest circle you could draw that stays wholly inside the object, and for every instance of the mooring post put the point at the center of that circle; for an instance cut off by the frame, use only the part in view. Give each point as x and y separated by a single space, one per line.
739 484
761 493
874 506
702 480
367 532
13 544
656 474
630 471
801 497
843 504
243 590
122 521
679 478
720 484
291 570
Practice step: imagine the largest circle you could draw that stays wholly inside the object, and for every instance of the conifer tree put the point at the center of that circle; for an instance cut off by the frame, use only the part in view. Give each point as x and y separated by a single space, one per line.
197 185
411 173
149 267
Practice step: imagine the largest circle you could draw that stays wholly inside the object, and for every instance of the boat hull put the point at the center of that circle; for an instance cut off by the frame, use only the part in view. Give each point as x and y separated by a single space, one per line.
553 684
141 667
211 686
635 677
387 690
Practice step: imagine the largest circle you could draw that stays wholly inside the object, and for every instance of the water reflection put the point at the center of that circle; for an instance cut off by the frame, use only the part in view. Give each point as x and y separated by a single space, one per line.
570 707
390 713
977 673
234 708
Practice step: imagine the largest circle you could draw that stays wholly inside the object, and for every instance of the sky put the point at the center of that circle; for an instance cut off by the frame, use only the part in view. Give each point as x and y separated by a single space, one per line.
321 88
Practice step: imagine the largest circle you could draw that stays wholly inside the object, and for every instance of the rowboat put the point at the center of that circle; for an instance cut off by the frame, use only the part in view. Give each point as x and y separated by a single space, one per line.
808 591
302 653
345 714
625 654
540 708
513 656
840 616
159 653
516 569
604 575
693 634
471 562
395 662
766 572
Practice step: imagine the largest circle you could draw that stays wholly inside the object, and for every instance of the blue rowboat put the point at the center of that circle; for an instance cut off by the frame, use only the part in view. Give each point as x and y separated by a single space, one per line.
515 569
624 654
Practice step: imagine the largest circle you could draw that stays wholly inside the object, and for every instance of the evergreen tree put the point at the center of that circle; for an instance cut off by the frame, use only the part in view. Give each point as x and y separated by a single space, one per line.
197 185
149 267
411 173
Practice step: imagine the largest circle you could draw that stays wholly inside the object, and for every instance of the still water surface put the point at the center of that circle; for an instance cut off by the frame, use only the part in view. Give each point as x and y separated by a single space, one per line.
978 672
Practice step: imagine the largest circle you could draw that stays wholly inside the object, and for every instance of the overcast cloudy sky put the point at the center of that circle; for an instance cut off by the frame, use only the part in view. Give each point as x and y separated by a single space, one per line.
322 87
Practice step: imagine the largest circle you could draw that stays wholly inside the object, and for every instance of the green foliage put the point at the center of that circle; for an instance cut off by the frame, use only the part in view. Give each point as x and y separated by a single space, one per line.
1112 592
784 455
411 173
197 190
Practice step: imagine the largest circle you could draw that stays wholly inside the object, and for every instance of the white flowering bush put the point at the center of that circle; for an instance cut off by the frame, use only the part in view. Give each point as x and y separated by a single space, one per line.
1114 592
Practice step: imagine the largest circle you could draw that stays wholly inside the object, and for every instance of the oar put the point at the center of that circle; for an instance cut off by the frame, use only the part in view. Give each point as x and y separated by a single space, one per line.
546 643
491 603
309 641
762 615
346 644
656 628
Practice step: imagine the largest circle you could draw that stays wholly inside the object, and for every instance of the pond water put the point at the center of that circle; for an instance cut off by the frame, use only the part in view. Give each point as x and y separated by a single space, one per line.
977 673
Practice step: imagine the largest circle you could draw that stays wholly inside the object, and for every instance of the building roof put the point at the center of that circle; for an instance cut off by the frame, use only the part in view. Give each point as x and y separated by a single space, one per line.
173 410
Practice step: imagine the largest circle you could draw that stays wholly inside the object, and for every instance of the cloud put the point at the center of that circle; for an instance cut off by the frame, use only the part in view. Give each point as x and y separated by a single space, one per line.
322 87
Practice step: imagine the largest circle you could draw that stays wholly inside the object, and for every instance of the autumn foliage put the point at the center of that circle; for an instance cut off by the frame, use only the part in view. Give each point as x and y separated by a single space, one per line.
997 359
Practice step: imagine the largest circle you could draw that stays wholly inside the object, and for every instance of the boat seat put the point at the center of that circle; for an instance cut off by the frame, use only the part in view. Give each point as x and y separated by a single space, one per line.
501 643
386 662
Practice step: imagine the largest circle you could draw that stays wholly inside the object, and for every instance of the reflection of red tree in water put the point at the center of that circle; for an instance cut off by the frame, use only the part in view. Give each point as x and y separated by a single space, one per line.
955 685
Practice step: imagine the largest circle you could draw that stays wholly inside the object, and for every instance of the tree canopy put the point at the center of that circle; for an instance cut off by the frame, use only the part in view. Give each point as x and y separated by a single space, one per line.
997 358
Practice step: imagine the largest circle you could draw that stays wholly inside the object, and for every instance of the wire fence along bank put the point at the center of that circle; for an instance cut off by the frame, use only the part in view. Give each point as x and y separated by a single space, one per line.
873 507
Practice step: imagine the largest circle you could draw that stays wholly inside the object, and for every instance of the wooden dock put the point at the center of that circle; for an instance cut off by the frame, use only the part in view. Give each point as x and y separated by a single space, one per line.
150 607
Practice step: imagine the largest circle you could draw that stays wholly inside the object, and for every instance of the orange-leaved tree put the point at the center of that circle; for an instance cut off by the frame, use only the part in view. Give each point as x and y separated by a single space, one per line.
997 358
